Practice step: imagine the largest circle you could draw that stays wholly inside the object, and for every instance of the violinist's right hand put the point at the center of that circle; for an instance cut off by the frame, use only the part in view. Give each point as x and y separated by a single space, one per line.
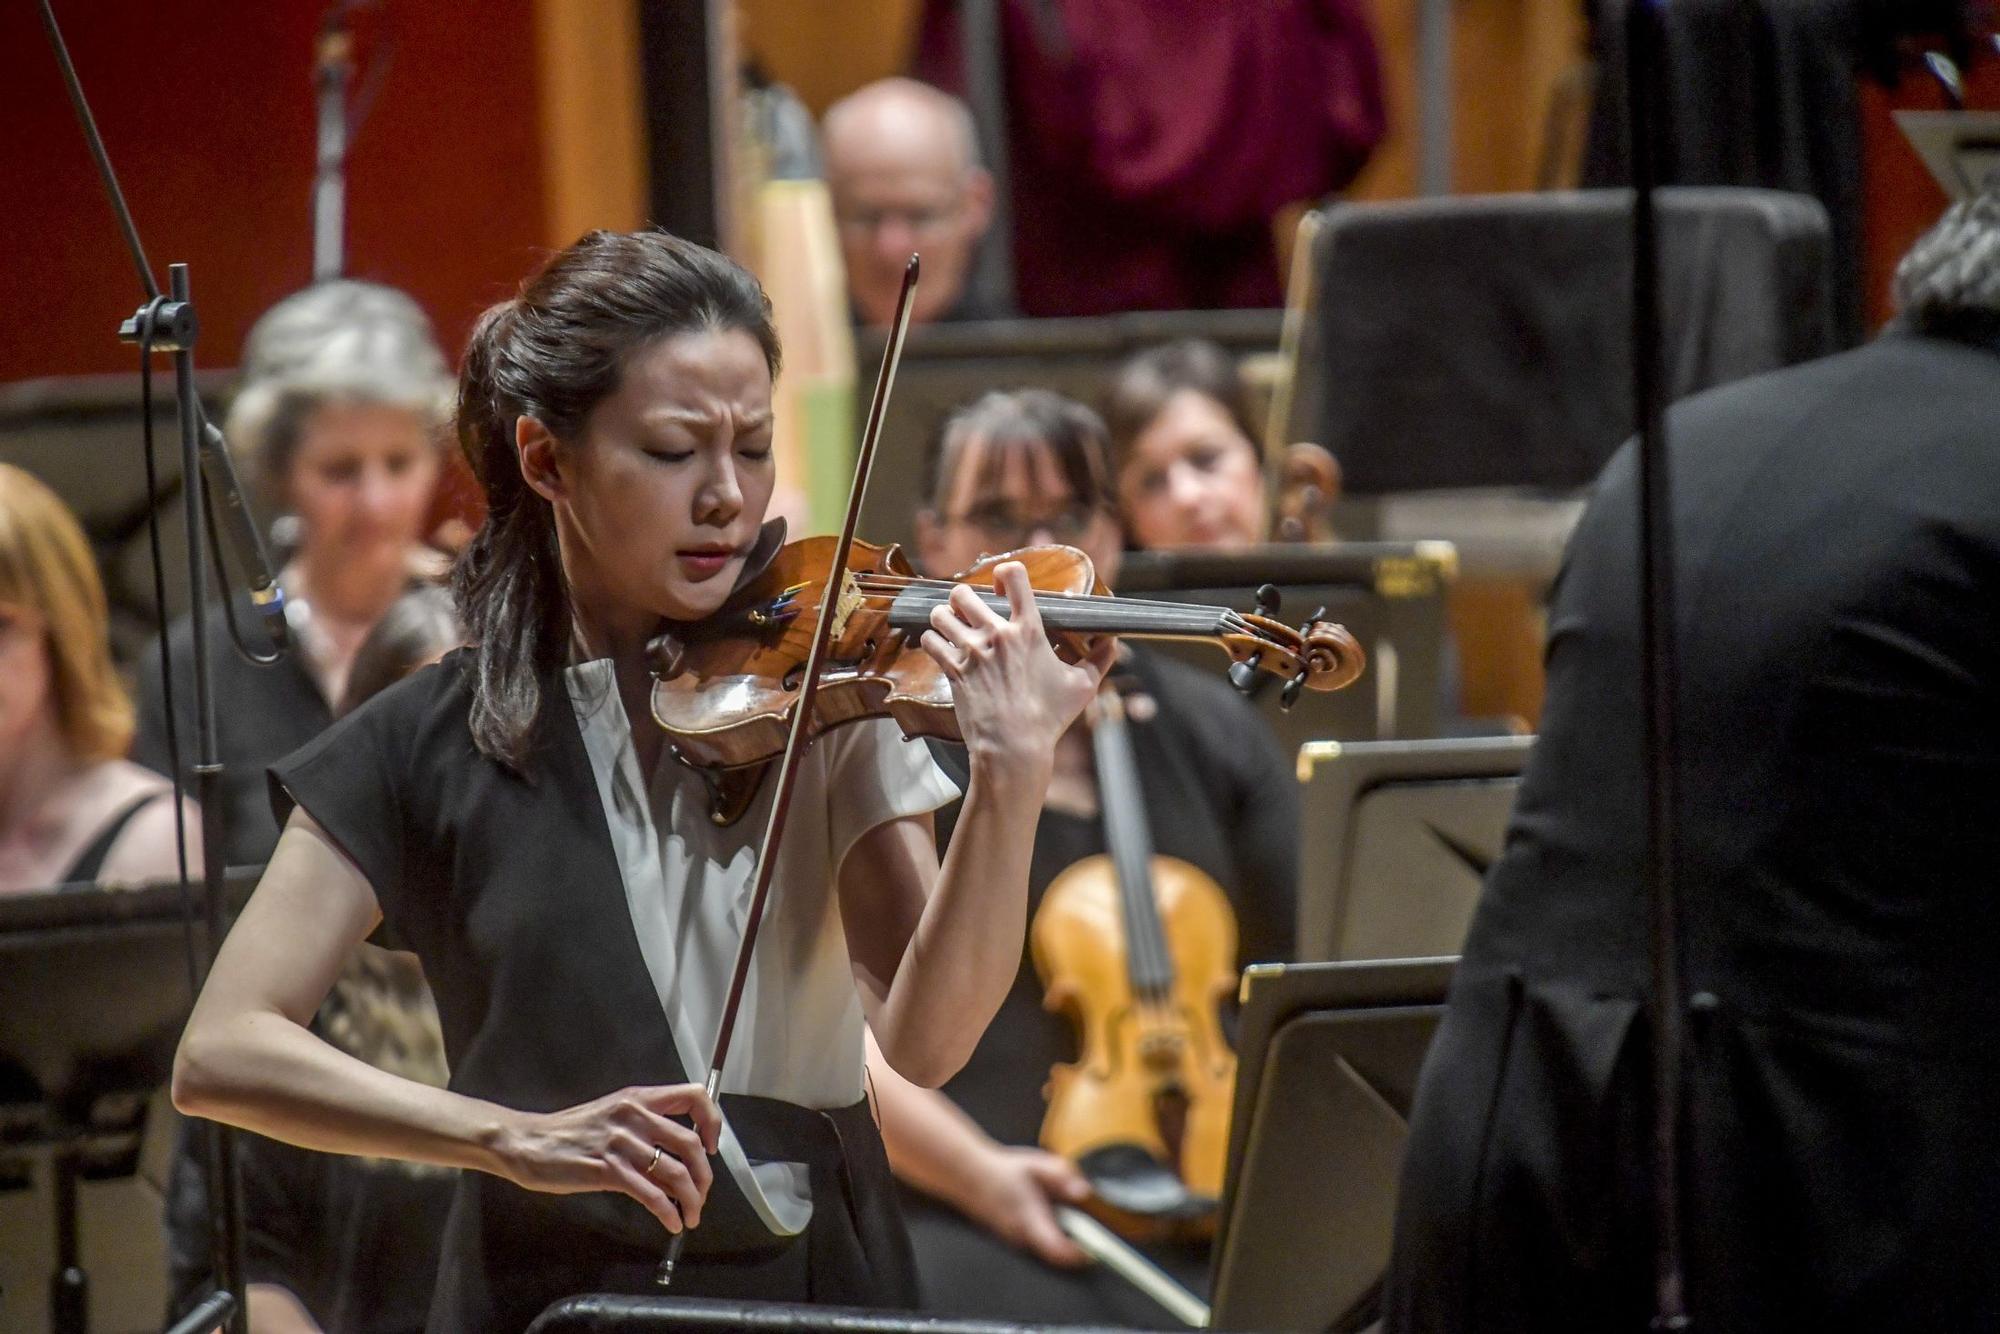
610 1144
1012 1193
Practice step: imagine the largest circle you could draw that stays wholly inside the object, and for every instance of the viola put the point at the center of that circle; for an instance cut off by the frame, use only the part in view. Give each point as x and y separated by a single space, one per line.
724 689
1139 951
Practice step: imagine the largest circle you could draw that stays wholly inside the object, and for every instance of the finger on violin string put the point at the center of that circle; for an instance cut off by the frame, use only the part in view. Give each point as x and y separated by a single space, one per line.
1011 578
943 653
945 619
972 608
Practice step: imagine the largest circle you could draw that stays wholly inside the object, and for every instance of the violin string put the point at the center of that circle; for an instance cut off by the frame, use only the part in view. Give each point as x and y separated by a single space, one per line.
1109 613
1120 608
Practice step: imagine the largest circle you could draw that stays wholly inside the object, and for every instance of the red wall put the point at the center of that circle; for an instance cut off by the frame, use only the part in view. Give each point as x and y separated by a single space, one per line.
1900 200
207 113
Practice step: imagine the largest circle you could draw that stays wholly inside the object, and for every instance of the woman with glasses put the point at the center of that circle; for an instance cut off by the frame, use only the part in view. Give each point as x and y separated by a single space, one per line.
1017 469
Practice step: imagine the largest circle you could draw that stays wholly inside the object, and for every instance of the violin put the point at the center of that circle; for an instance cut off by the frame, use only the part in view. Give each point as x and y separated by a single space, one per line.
1139 951
724 688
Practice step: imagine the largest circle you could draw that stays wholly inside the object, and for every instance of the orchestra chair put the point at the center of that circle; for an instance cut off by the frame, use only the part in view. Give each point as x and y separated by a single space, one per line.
1327 1065
1395 841
1468 361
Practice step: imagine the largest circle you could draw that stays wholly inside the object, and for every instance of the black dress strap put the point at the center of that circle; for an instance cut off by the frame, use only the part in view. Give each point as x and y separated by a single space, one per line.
84 870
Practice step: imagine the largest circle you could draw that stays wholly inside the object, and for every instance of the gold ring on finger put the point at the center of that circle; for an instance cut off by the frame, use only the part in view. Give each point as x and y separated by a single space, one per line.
658 1150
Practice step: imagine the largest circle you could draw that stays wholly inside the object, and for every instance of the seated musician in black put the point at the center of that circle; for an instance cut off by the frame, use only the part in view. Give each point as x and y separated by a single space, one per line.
333 1242
1011 470
513 816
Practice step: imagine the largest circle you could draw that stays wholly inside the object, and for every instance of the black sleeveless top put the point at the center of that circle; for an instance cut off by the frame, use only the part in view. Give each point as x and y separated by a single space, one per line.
89 863
508 888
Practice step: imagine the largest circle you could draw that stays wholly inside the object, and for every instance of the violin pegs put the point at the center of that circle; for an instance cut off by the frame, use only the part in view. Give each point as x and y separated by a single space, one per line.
1243 675
1269 599
1290 694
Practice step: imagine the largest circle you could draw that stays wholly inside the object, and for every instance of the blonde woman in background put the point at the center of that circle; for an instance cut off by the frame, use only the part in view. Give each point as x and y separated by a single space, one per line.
340 425
72 809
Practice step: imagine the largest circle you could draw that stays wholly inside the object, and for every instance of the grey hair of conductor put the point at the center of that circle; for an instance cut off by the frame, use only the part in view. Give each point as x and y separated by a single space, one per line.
1954 268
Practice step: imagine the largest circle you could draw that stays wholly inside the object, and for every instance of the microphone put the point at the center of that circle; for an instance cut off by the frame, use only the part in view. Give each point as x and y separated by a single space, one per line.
239 532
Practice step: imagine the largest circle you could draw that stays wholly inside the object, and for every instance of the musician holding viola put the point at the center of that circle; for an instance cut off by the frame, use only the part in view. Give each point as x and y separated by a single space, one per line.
514 817
1015 469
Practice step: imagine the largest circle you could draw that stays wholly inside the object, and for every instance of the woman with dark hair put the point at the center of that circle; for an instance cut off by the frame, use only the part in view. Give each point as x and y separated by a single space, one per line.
1014 469
1189 472
555 867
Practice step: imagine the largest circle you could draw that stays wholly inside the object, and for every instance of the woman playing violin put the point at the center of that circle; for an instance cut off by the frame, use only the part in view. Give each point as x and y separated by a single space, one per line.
514 817
1010 470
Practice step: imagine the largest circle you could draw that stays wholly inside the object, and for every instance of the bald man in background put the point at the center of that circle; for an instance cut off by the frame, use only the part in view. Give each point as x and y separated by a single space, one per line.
902 163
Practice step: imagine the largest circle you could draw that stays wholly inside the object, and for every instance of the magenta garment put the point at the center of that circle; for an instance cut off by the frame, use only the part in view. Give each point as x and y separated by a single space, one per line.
1152 141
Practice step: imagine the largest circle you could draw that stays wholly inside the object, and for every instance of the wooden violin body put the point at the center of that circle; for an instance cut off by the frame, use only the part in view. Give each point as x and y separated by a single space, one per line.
724 688
1155 1073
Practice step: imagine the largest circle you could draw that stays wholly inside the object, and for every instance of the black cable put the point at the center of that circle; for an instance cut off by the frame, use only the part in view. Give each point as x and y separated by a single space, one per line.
243 649
192 949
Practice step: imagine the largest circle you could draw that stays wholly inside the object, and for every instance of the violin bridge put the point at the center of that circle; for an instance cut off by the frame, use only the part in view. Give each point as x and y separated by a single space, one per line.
845 605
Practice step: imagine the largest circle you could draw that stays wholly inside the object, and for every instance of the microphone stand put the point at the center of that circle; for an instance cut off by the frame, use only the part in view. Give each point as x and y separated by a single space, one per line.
168 323
1644 43
333 66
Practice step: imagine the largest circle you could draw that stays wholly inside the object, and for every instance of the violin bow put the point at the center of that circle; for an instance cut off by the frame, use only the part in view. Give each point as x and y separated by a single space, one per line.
797 739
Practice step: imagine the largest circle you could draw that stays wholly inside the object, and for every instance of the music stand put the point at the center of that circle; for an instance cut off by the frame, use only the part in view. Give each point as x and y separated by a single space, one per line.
1390 596
1396 840
93 997
698 1315
1326 1071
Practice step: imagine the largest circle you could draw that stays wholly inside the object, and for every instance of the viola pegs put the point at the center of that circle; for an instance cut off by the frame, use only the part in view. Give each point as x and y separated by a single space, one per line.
1243 674
1290 694
1269 599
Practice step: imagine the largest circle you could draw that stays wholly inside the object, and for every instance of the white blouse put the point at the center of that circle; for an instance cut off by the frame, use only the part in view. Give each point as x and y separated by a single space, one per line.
799 1034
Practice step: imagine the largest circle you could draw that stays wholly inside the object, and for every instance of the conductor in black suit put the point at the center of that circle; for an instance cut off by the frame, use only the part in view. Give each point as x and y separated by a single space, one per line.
1838 568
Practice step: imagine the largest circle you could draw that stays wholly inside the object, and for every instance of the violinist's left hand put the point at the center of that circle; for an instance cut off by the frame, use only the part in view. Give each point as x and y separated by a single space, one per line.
1013 696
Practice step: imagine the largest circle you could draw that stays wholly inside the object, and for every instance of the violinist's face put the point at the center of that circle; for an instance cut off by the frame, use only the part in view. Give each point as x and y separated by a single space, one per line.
658 501
999 498
1192 479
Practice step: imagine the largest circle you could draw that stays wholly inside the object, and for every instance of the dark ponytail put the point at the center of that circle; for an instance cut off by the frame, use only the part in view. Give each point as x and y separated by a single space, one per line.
554 353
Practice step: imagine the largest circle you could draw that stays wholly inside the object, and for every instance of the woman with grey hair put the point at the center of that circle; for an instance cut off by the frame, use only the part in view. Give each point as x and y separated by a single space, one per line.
340 424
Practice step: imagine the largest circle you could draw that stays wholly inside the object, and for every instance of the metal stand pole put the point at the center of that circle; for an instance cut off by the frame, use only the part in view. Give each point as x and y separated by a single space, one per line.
1644 40
69 1286
224 1198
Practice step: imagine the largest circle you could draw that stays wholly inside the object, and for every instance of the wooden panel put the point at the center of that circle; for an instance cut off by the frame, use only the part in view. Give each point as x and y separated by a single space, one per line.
593 143
826 51
1507 57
